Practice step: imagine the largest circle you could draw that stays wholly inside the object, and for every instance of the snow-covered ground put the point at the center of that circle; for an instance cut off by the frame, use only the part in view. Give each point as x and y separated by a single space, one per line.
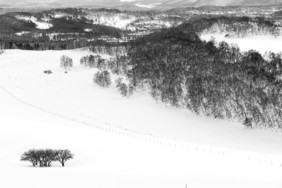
261 43
119 142
120 21
43 25
22 33
149 6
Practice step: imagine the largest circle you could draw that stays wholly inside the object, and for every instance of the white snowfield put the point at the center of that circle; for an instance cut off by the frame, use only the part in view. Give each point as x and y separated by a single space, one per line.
43 25
120 21
119 142
149 6
22 33
261 43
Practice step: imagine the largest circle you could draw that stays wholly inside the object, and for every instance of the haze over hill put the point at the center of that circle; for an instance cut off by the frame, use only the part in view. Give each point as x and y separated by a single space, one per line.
146 4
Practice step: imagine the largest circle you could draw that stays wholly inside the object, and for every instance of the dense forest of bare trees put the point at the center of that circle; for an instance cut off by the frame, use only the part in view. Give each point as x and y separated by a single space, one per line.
221 81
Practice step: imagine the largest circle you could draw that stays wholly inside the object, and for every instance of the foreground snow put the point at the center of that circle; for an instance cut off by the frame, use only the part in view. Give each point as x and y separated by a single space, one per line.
119 142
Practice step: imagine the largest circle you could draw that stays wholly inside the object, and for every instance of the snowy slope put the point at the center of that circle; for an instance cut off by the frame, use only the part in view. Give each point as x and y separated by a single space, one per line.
39 24
260 43
118 142
120 21
149 6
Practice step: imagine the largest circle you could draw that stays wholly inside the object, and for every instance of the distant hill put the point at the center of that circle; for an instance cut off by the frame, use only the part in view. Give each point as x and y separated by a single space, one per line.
237 2
140 4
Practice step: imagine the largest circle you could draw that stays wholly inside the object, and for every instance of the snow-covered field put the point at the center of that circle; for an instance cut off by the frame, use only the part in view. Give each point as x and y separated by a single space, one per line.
120 21
119 142
260 43
39 24
153 5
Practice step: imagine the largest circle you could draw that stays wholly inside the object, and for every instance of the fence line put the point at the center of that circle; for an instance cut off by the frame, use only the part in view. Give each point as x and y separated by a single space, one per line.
263 159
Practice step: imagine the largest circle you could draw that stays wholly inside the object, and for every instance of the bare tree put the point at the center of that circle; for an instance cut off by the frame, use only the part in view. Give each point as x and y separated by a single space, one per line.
50 156
66 62
31 156
122 87
63 155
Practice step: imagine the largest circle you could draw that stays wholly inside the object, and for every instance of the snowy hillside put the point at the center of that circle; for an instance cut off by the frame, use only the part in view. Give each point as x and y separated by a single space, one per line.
44 25
119 142
85 22
120 21
260 43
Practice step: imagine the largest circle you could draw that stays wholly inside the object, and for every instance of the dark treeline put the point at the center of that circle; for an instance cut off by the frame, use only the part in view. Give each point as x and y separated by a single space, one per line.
43 42
114 49
65 33
9 24
40 43
221 81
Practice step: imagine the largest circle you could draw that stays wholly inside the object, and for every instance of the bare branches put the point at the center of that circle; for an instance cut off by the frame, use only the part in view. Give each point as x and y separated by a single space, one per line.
44 158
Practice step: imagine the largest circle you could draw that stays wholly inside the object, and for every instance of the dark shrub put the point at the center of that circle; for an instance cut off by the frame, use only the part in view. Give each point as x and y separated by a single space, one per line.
48 72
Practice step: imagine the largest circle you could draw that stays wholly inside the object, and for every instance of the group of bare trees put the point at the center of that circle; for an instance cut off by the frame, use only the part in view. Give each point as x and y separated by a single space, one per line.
94 61
235 26
117 65
243 29
44 158
218 81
